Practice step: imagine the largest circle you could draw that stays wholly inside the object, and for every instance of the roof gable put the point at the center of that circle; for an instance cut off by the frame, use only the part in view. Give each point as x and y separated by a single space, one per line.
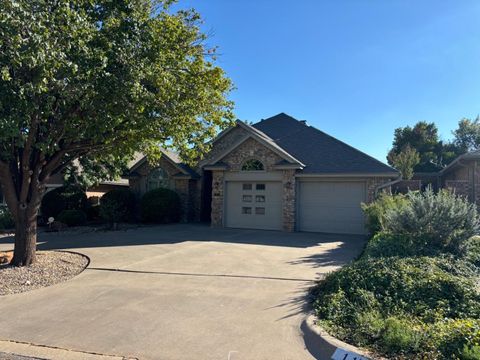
259 136
320 152
174 159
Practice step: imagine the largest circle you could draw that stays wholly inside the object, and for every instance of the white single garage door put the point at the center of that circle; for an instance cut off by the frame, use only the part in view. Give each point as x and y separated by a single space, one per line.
254 205
331 207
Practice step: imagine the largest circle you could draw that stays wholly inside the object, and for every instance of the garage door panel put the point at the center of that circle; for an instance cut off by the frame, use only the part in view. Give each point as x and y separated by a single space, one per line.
254 207
331 207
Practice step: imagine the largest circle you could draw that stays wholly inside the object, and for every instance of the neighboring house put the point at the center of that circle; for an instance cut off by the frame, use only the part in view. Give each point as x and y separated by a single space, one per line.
170 173
278 174
463 176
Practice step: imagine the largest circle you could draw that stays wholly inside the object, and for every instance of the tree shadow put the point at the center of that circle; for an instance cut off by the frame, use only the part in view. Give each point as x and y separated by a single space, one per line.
176 233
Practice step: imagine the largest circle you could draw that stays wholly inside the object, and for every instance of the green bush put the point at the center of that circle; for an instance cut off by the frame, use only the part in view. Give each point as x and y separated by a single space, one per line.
441 221
6 218
384 302
375 211
63 198
399 336
118 206
72 217
161 206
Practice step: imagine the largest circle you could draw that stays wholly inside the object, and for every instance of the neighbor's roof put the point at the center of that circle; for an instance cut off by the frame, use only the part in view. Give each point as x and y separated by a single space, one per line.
320 152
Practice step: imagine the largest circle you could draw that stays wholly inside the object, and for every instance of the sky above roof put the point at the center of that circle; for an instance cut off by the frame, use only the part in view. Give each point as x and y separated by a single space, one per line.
355 69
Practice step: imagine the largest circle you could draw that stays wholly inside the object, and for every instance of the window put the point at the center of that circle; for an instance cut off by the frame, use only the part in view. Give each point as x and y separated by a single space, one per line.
260 211
158 178
252 165
246 210
260 198
247 187
247 198
260 187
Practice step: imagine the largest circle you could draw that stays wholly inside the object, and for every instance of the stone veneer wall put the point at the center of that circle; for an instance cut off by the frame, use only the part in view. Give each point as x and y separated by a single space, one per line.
217 198
289 196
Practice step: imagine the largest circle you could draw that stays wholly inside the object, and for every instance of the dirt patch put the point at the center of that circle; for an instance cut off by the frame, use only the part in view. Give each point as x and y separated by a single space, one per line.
51 267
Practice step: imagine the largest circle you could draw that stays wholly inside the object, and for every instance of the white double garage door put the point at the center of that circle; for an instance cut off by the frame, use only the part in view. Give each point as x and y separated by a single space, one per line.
321 206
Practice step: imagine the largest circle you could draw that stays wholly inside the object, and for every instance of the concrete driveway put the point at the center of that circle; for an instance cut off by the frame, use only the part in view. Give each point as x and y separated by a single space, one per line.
179 292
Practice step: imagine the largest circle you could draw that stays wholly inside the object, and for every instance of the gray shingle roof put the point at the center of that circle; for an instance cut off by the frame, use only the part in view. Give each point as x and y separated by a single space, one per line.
320 152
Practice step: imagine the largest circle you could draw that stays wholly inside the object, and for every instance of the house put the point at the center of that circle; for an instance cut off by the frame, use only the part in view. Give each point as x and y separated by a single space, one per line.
463 176
278 174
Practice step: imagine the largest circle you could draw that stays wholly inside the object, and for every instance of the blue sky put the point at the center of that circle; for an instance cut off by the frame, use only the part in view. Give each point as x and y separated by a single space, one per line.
355 69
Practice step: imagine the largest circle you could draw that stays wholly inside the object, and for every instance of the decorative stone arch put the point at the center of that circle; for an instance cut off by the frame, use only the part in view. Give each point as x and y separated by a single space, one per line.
252 164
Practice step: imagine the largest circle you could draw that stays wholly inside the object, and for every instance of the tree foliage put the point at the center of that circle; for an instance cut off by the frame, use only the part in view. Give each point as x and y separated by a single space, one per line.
423 137
405 161
467 135
97 80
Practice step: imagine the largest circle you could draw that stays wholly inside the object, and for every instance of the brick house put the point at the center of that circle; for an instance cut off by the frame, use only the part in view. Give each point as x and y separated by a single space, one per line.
278 174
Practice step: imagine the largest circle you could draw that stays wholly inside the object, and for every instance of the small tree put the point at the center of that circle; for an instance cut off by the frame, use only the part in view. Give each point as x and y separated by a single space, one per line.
405 161
96 81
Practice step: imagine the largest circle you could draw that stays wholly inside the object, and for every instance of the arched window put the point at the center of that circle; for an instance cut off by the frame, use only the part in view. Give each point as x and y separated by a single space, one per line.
252 165
158 178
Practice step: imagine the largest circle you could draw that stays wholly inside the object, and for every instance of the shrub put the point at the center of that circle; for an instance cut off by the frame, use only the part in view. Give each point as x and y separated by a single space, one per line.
356 302
161 206
118 206
385 245
375 211
72 217
63 198
443 221
399 336
6 218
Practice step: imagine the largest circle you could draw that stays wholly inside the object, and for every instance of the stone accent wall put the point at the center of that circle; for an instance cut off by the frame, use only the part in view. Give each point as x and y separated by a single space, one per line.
288 202
221 145
251 149
217 198
460 187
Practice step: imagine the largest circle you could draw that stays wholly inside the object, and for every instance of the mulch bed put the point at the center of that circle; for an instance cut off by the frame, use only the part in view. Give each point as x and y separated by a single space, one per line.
51 267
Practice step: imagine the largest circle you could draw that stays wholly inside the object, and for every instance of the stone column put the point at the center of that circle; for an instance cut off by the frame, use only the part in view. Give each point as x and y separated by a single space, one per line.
217 198
288 184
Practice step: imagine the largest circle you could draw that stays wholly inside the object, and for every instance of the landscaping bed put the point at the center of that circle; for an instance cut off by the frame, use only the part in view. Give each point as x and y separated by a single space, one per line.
414 292
51 267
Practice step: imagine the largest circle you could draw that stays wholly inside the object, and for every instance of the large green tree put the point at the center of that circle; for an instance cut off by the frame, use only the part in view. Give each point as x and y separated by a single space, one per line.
467 135
423 137
97 80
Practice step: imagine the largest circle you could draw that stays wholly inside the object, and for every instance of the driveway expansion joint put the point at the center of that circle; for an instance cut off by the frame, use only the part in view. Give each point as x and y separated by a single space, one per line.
30 350
200 274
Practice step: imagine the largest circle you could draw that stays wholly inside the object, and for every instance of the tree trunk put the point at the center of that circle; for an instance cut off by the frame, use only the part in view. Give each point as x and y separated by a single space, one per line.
25 238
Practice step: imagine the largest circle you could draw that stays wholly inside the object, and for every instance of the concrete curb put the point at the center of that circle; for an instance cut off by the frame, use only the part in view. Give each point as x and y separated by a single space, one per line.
323 346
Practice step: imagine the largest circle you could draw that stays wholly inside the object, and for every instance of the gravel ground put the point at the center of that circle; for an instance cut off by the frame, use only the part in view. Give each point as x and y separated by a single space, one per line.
50 268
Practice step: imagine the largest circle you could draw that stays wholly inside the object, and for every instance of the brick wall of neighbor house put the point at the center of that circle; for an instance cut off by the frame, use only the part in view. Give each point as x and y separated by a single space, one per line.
184 187
461 187
372 185
217 198
405 185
